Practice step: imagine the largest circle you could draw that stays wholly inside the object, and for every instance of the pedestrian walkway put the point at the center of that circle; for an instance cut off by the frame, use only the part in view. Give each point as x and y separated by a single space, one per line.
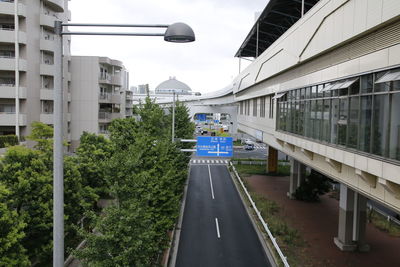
209 161
317 224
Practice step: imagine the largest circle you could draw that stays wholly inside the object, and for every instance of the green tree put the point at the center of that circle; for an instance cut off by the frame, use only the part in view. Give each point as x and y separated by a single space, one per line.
12 253
92 155
184 126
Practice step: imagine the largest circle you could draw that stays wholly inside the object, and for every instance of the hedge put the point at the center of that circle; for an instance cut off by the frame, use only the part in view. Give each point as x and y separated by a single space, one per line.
8 140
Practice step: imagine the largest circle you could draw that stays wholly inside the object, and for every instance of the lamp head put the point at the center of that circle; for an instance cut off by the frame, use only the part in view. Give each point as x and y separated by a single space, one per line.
179 33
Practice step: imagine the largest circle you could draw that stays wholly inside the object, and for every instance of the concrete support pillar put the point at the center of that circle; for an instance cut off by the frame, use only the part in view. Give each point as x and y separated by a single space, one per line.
272 164
352 221
297 176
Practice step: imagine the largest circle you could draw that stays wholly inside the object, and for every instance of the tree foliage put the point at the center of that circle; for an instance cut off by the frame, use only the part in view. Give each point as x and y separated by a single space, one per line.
314 185
12 253
146 173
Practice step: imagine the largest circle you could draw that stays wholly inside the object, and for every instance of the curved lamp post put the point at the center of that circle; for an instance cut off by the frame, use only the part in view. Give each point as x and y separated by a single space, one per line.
176 33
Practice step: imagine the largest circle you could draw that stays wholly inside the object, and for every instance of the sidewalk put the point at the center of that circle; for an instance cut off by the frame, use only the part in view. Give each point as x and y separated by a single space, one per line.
317 224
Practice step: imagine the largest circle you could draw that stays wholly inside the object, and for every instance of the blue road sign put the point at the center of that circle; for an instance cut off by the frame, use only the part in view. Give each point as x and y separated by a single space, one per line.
202 117
210 146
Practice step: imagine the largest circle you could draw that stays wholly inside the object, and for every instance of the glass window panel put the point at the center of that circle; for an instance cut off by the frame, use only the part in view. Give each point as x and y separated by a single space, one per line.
343 92
318 120
335 119
308 92
380 125
301 118
307 118
381 87
365 123
367 83
342 122
319 90
355 87
353 122
394 140
302 93
314 91
288 121
326 120
313 116
396 86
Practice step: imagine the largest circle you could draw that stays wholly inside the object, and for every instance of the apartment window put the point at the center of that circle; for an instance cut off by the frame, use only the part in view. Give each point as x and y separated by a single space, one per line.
255 102
47 82
241 104
262 107
7 108
248 107
362 116
47 107
271 107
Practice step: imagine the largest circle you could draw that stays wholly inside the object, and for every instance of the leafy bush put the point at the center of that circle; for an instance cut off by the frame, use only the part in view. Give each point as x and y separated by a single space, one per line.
8 140
314 185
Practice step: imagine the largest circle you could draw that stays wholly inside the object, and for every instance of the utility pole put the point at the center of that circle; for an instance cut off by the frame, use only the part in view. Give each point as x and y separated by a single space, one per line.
173 116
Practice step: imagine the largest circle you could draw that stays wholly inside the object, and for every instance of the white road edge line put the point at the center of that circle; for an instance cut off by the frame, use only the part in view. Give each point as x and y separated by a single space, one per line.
216 224
211 184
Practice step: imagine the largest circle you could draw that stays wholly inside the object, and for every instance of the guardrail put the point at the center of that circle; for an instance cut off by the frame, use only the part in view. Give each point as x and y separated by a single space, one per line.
384 214
276 246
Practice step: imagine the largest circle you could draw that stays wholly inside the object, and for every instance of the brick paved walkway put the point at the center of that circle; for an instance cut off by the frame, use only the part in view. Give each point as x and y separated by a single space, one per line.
317 224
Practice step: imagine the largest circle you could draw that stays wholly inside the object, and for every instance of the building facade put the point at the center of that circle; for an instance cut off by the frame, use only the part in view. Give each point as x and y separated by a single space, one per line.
27 33
326 92
100 93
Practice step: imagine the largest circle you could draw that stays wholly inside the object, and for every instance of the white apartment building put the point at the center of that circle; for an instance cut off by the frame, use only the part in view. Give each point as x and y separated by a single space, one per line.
29 35
100 93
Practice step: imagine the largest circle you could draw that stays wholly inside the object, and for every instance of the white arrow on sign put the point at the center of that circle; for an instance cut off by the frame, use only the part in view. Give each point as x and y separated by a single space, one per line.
218 152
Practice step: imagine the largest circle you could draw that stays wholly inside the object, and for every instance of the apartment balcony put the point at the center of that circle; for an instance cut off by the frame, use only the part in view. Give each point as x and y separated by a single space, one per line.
104 117
7 8
47 118
8 119
47 69
47 20
116 99
115 116
8 91
46 94
7 36
8 64
56 5
105 78
47 44
116 80
105 97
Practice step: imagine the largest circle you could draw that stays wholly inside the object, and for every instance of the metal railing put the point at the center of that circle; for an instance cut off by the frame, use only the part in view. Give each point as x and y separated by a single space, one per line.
253 204
104 115
384 214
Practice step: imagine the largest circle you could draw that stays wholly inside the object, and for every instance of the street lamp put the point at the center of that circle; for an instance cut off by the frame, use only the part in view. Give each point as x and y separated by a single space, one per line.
177 33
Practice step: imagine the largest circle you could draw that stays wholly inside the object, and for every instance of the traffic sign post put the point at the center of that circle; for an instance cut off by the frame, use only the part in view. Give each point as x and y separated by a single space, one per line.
210 146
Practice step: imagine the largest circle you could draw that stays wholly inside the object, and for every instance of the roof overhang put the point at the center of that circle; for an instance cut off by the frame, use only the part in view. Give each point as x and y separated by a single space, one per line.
277 17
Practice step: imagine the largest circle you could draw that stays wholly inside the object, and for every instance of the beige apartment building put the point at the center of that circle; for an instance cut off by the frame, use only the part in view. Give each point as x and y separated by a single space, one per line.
32 29
100 94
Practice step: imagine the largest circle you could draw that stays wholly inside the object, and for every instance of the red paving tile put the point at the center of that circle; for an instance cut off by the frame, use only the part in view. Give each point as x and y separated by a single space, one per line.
317 224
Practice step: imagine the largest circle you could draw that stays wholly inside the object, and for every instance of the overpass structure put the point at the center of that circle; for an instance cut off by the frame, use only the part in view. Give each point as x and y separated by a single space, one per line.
324 88
221 101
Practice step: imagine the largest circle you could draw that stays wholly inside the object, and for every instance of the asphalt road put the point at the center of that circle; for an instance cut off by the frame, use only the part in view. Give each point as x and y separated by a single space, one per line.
216 230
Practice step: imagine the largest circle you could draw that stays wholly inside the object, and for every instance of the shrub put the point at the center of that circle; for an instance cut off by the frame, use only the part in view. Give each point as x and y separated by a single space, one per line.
314 185
8 140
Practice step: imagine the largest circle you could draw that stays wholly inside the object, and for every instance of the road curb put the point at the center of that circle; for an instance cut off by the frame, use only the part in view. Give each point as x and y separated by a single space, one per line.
171 262
263 239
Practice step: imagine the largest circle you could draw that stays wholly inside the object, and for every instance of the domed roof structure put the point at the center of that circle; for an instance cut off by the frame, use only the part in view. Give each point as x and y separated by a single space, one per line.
173 85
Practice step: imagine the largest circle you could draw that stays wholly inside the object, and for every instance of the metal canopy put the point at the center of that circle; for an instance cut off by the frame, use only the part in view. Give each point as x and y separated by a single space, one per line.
277 17
389 76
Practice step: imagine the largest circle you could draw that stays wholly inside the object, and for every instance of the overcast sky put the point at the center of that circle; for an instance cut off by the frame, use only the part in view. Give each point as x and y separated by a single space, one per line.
206 65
